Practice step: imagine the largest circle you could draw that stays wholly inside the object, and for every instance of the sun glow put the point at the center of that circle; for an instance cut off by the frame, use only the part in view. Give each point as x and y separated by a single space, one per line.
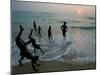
79 11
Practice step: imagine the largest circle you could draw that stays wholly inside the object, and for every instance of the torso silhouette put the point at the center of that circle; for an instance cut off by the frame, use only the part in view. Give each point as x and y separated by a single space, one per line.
49 31
39 30
21 45
64 27
33 42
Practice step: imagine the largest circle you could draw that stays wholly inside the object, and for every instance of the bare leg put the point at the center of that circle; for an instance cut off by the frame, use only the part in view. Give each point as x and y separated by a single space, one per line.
64 35
35 51
21 60
51 37
36 64
39 37
40 49
34 67
21 29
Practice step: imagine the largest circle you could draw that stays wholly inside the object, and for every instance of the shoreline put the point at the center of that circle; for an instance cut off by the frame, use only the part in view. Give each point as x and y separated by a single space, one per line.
51 66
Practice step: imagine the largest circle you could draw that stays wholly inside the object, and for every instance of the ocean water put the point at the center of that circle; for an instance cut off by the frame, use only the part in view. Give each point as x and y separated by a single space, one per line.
81 33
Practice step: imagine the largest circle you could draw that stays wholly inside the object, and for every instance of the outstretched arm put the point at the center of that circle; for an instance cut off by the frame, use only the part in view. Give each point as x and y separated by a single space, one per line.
28 42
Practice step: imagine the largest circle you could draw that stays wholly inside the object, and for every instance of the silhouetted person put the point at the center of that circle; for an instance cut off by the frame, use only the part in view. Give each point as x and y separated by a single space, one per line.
64 29
32 40
49 34
39 31
35 27
24 51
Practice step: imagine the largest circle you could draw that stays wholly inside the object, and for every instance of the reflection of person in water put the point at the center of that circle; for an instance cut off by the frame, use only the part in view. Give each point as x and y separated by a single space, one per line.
24 51
50 34
35 27
33 41
64 29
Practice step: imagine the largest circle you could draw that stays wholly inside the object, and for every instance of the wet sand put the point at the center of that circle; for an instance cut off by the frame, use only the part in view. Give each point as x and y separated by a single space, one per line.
51 66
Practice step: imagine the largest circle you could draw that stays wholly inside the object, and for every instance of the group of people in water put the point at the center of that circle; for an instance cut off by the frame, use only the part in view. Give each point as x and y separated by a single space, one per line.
22 45
64 29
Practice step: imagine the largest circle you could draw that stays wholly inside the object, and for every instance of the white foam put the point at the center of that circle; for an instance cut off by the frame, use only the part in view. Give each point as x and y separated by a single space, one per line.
55 54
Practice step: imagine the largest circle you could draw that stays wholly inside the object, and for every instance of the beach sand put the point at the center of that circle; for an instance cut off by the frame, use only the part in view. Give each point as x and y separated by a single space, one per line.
51 66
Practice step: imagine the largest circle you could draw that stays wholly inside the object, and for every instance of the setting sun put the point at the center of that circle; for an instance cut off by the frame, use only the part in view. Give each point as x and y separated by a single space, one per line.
79 11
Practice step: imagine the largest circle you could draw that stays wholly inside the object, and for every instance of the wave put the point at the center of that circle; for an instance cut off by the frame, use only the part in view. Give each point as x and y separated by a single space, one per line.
84 27
90 18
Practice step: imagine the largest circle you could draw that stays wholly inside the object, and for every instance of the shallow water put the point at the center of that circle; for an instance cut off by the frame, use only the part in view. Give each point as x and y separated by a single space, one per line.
82 35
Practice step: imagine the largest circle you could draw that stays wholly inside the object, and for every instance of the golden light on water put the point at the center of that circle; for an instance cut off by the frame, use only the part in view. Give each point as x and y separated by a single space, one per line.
77 38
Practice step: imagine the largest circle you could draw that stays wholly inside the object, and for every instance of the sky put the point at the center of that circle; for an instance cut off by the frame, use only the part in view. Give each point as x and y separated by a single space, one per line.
52 7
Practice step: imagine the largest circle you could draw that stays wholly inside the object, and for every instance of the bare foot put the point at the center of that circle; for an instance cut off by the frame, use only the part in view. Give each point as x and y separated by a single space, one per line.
37 64
37 70
20 64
